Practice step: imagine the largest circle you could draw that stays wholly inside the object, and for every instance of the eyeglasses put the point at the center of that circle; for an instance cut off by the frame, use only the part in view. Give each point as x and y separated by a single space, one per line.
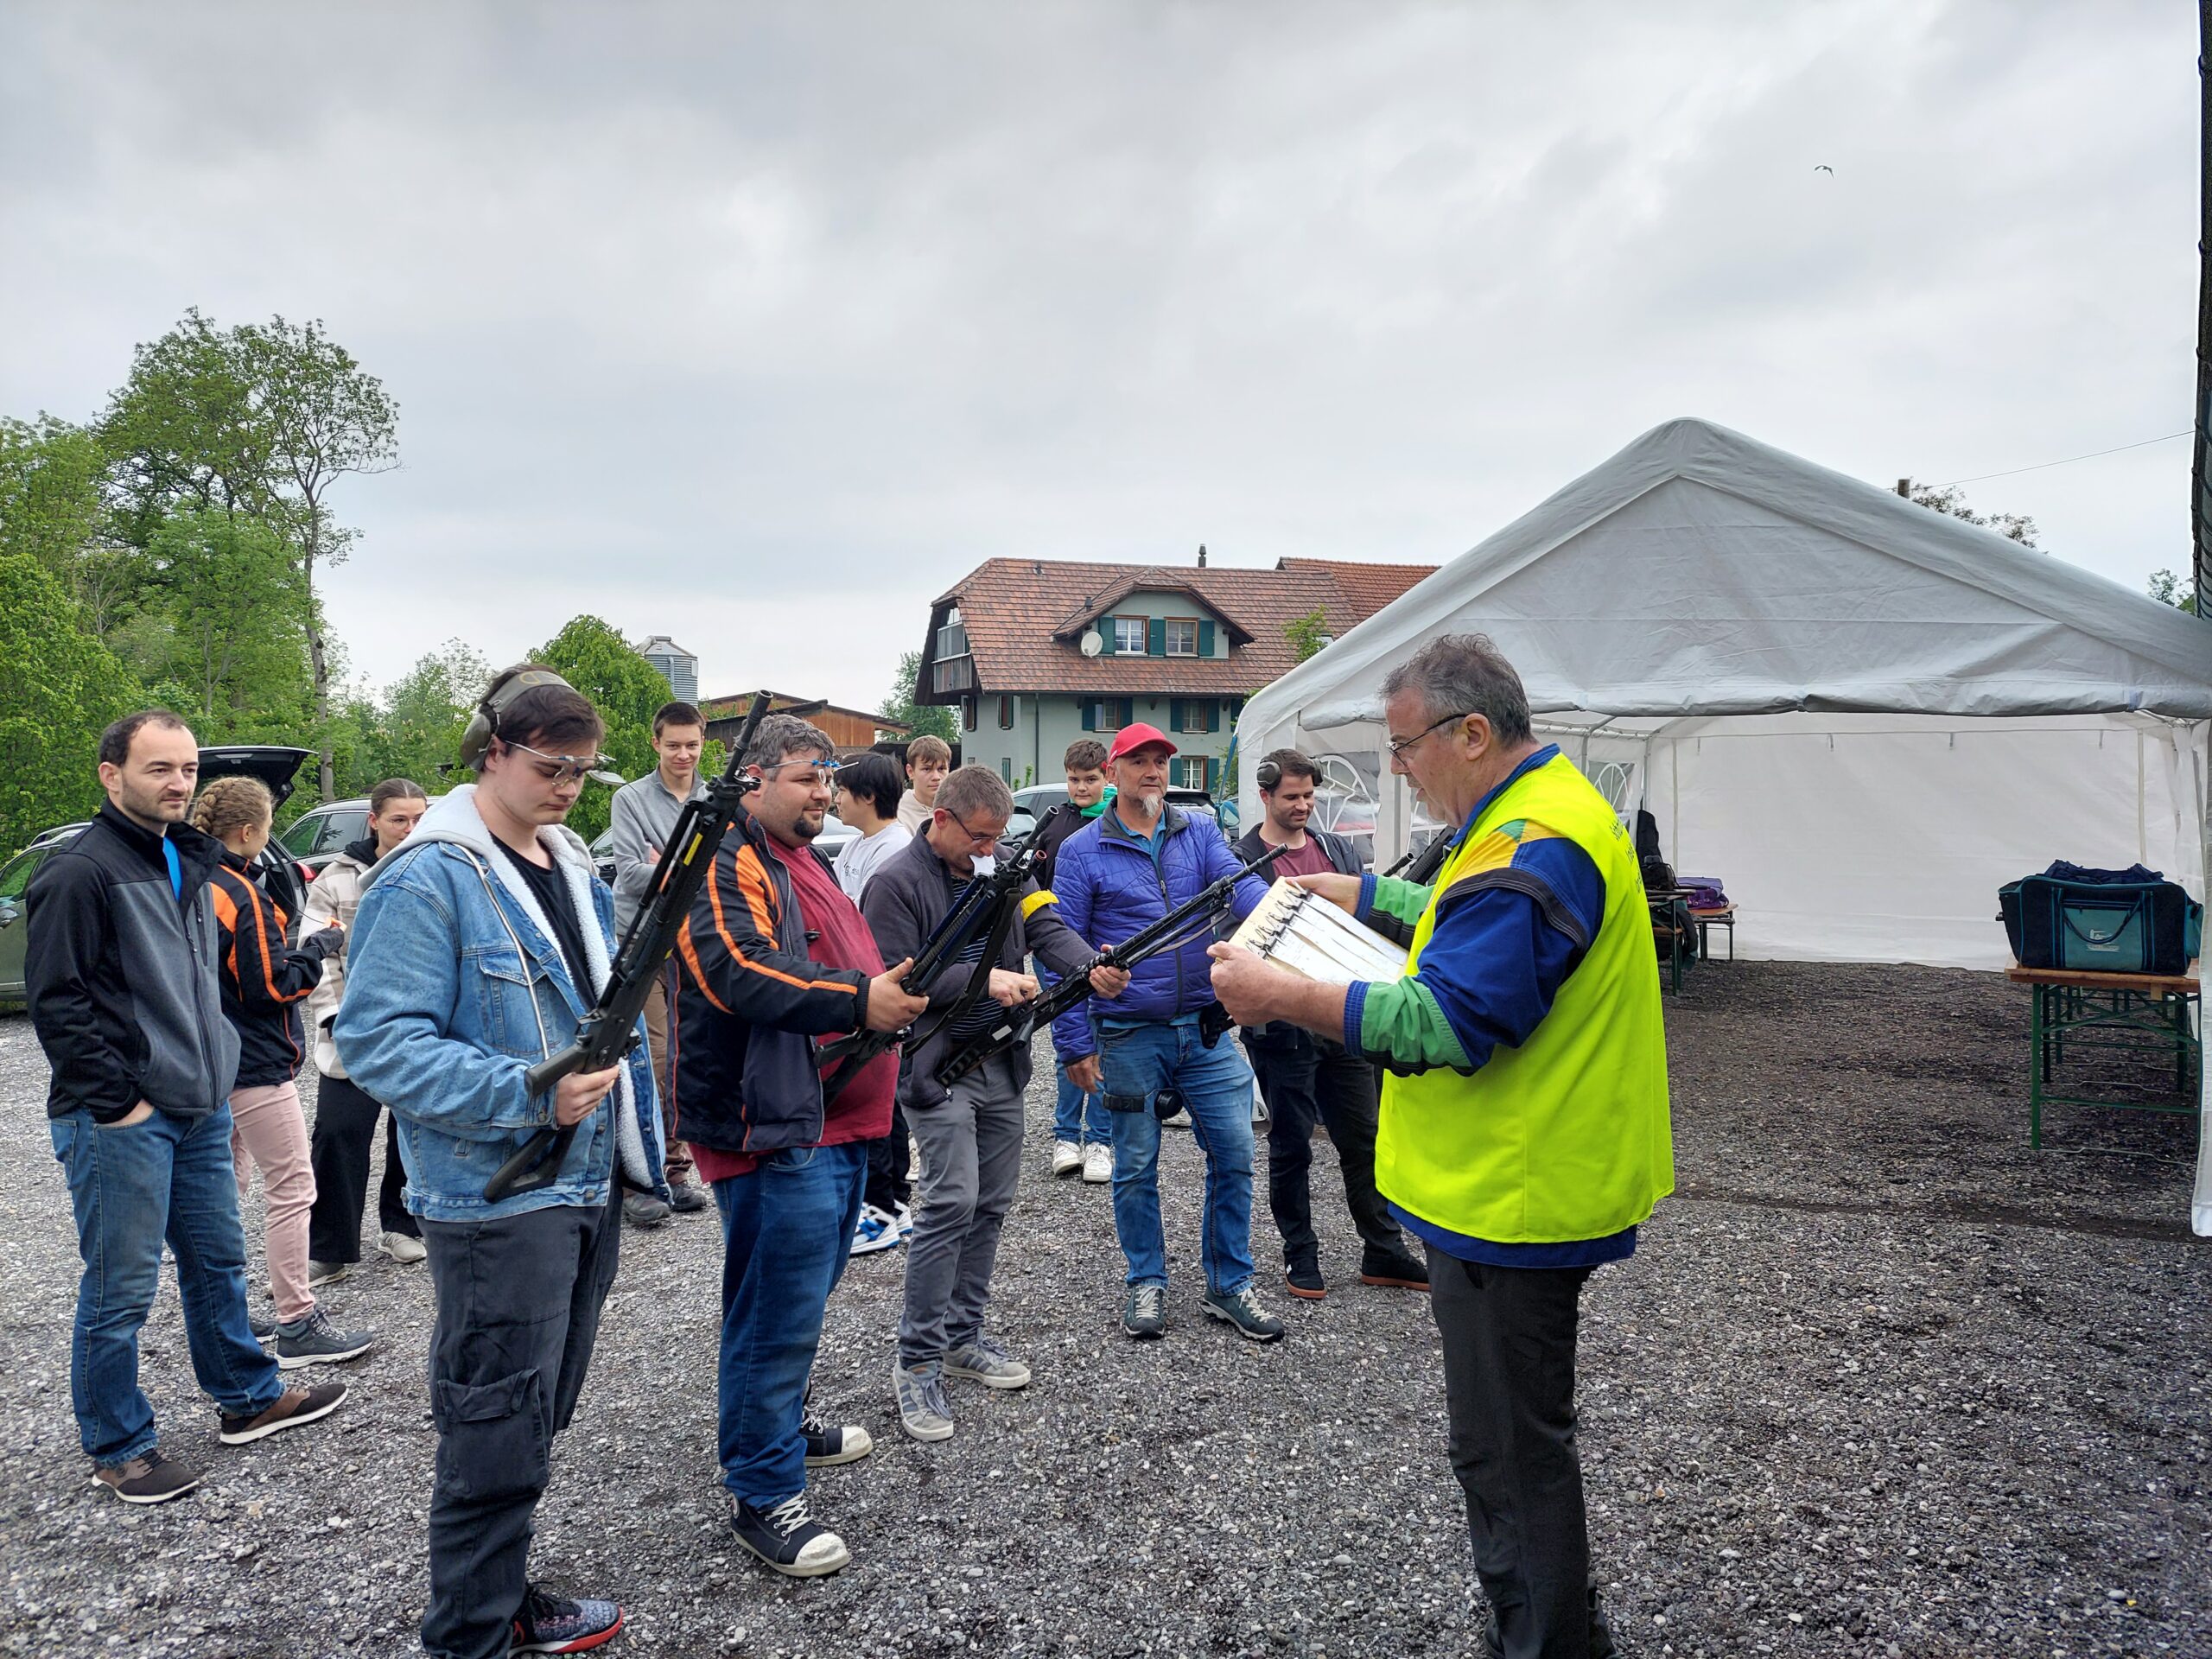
1399 745
561 768
825 775
979 843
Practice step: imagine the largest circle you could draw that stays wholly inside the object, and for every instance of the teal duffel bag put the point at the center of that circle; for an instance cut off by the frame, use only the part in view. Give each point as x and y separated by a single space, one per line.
2130 921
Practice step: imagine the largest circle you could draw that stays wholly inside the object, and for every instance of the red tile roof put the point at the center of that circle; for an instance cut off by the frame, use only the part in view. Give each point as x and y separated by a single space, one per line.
1024 616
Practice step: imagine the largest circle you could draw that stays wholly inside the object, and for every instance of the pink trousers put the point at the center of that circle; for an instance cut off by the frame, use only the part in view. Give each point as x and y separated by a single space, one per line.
268 1127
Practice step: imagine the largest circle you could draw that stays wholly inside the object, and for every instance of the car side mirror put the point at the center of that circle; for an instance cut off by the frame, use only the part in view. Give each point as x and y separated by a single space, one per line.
8 910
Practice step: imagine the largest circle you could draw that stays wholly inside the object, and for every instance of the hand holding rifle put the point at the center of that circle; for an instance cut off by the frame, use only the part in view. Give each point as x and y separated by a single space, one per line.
891 1005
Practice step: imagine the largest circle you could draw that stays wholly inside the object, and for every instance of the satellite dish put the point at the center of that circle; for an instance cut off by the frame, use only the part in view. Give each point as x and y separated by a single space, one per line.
1090 644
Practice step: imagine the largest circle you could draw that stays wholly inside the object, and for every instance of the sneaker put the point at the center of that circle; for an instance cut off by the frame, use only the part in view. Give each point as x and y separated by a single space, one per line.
293 1408
875 1231
1242 1309
918 1390
1305 1281
261 1324
150 1479
1067 1159
788 1539
402 1248
1097 1164
829 1443
688 1197
644 1210
1145 1315
904 1215
327 1273
1395 1272
315 1341
551 1624
983 1360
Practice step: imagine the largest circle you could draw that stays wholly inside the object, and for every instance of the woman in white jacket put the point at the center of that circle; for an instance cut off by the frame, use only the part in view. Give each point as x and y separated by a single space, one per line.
345 1116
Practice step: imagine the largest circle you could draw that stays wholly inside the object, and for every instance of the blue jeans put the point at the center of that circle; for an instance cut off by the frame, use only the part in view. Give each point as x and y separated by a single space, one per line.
787 1229
1077 1116
1136 1062
168 1177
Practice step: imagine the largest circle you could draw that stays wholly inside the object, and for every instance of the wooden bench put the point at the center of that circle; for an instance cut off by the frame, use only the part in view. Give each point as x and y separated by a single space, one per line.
2133 1013
1715 916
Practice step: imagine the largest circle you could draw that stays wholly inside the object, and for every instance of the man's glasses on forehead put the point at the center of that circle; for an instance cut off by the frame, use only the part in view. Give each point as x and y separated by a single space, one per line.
561 768
824 771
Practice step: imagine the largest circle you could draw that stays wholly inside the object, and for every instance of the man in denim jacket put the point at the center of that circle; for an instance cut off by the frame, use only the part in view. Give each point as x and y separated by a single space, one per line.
478 946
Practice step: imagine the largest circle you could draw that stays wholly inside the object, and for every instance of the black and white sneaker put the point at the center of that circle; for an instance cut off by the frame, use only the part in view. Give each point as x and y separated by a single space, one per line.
314 1341
1242 1309
787 1539
1145 1314
829 1443
551 1624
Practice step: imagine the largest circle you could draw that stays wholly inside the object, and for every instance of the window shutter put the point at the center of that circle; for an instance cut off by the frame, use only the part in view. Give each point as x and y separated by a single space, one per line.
1213 717
1206 638
1128 713
1156 638
1212 772
1174 714
1090 715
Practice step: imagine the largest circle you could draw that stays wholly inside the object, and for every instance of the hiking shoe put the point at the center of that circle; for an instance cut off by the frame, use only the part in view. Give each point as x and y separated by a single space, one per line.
1145 1315
644 1210
1242 1309
402 1248
1399 1272
1067 1160
1097 1164
788 1539
829 1443
261 1324
551 1624
1305 1281
292 1408
315 1341
688 1197
982 1359
152 1479
874 1232
327 1273
919 1391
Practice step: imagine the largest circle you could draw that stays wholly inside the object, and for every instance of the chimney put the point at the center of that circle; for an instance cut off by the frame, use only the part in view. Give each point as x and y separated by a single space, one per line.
1202 555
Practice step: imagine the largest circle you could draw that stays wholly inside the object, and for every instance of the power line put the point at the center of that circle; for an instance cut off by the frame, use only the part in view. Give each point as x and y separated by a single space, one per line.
2068 461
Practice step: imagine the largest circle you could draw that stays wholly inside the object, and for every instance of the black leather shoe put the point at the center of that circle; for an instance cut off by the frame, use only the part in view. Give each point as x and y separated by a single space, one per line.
1305 1281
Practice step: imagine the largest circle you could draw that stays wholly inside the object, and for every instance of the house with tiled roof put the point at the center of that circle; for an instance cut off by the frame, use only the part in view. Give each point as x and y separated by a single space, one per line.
1034 653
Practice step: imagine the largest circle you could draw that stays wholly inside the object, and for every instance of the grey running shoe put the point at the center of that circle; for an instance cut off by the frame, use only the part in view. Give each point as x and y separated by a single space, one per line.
150 1479
314 1341
327 1273
985 1362
402 1248
1242 1309
924 1412
1145 1317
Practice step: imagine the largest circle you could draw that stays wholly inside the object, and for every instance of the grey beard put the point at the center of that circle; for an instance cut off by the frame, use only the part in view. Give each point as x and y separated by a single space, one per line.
1149 805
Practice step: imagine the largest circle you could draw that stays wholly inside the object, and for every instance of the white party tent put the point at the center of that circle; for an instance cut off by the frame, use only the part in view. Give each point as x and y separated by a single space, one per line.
1862 717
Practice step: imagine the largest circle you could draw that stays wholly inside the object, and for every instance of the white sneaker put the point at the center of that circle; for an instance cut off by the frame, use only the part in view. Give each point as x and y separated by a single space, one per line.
876 1231
919 1392
1067 1158
400 1247
903 1214
1098 1163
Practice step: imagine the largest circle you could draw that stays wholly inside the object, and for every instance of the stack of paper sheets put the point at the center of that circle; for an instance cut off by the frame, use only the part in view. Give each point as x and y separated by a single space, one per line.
1295 929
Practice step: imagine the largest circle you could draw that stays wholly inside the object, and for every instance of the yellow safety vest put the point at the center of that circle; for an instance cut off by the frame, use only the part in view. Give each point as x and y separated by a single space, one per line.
1566 1137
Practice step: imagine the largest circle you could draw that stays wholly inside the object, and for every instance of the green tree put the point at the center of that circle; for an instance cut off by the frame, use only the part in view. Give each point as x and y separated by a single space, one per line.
1308 635
2014 526
414 729
625 689
52 509
61 686
2177 591
922 719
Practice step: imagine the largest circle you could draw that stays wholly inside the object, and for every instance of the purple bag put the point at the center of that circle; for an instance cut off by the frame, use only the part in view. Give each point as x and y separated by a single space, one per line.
1701 892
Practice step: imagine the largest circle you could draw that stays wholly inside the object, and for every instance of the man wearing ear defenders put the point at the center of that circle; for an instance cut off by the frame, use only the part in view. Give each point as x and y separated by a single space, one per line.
479 944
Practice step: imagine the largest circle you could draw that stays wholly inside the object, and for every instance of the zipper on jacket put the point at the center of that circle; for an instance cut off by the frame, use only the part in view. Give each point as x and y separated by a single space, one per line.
1159 875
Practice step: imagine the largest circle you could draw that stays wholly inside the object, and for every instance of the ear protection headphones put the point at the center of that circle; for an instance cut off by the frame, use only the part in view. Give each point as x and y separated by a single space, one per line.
1267 775
484 724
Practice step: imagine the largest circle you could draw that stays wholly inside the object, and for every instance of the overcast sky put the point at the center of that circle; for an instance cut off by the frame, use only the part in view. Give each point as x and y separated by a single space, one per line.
758 326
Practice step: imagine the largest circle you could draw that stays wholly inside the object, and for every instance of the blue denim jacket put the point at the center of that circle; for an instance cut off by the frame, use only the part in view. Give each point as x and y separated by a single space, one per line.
454 989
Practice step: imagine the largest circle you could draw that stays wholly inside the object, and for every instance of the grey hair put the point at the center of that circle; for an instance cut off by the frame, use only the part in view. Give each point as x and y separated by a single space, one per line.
781 737
975 788
1466 674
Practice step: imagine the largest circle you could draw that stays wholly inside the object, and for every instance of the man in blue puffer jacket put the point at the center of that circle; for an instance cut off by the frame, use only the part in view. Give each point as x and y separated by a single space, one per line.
1113 877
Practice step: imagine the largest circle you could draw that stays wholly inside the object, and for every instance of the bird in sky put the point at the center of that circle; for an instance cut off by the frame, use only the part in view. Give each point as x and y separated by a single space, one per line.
1822 166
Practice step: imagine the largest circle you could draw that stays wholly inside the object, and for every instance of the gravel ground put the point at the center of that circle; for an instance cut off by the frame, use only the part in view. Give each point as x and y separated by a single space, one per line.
1880 1382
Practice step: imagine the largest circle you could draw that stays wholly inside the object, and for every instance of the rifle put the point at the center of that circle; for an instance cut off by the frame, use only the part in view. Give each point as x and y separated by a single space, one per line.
1170 930
1420 867
609 1030
997 895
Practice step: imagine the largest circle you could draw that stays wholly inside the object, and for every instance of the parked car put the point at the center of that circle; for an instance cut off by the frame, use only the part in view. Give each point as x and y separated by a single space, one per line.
14 877
322 831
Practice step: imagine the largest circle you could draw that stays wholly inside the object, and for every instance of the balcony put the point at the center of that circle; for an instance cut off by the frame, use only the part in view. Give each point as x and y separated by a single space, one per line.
952 674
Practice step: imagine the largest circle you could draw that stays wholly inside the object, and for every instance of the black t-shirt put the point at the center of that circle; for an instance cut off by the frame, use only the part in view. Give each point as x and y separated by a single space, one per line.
551 888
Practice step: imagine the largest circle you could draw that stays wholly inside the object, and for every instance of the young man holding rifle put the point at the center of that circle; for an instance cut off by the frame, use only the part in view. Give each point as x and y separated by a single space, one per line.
480 945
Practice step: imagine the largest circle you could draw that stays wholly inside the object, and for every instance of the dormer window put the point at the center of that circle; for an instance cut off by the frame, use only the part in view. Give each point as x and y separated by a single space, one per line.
1182 637
1129 636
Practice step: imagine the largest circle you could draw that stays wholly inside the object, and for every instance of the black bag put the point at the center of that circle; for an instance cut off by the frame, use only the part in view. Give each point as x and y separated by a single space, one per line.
2130 921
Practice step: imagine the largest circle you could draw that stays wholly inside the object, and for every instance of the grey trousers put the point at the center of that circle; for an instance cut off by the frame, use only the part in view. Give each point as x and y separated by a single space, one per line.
971 1159
518 1302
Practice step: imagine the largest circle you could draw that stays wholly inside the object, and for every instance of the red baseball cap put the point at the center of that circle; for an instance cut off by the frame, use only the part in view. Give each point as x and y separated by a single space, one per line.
1130 739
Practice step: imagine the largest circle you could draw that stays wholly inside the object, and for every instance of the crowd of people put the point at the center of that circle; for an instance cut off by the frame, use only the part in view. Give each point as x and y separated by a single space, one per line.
1519 1132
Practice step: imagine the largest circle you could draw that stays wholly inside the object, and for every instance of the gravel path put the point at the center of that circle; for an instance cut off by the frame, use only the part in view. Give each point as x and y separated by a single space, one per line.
1880 1382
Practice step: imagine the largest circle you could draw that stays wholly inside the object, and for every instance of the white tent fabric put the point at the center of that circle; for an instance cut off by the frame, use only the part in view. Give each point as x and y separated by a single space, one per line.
1862 715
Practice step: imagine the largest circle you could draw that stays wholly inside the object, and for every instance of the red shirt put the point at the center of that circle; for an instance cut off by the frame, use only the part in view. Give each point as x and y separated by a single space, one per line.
1309 859
836 937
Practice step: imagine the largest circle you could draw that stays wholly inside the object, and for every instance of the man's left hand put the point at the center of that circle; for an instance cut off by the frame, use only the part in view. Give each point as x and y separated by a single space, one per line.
1249 988
1010 989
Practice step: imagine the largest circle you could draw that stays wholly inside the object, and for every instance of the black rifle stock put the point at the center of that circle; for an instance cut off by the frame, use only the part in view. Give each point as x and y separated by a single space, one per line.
607 1032
1149 940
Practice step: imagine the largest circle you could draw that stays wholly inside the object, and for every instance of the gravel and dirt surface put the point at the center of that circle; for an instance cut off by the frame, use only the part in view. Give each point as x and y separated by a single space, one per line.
1879 1382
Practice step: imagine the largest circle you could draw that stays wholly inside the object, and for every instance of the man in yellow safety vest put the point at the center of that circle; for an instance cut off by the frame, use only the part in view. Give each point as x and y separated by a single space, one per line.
1524 1133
